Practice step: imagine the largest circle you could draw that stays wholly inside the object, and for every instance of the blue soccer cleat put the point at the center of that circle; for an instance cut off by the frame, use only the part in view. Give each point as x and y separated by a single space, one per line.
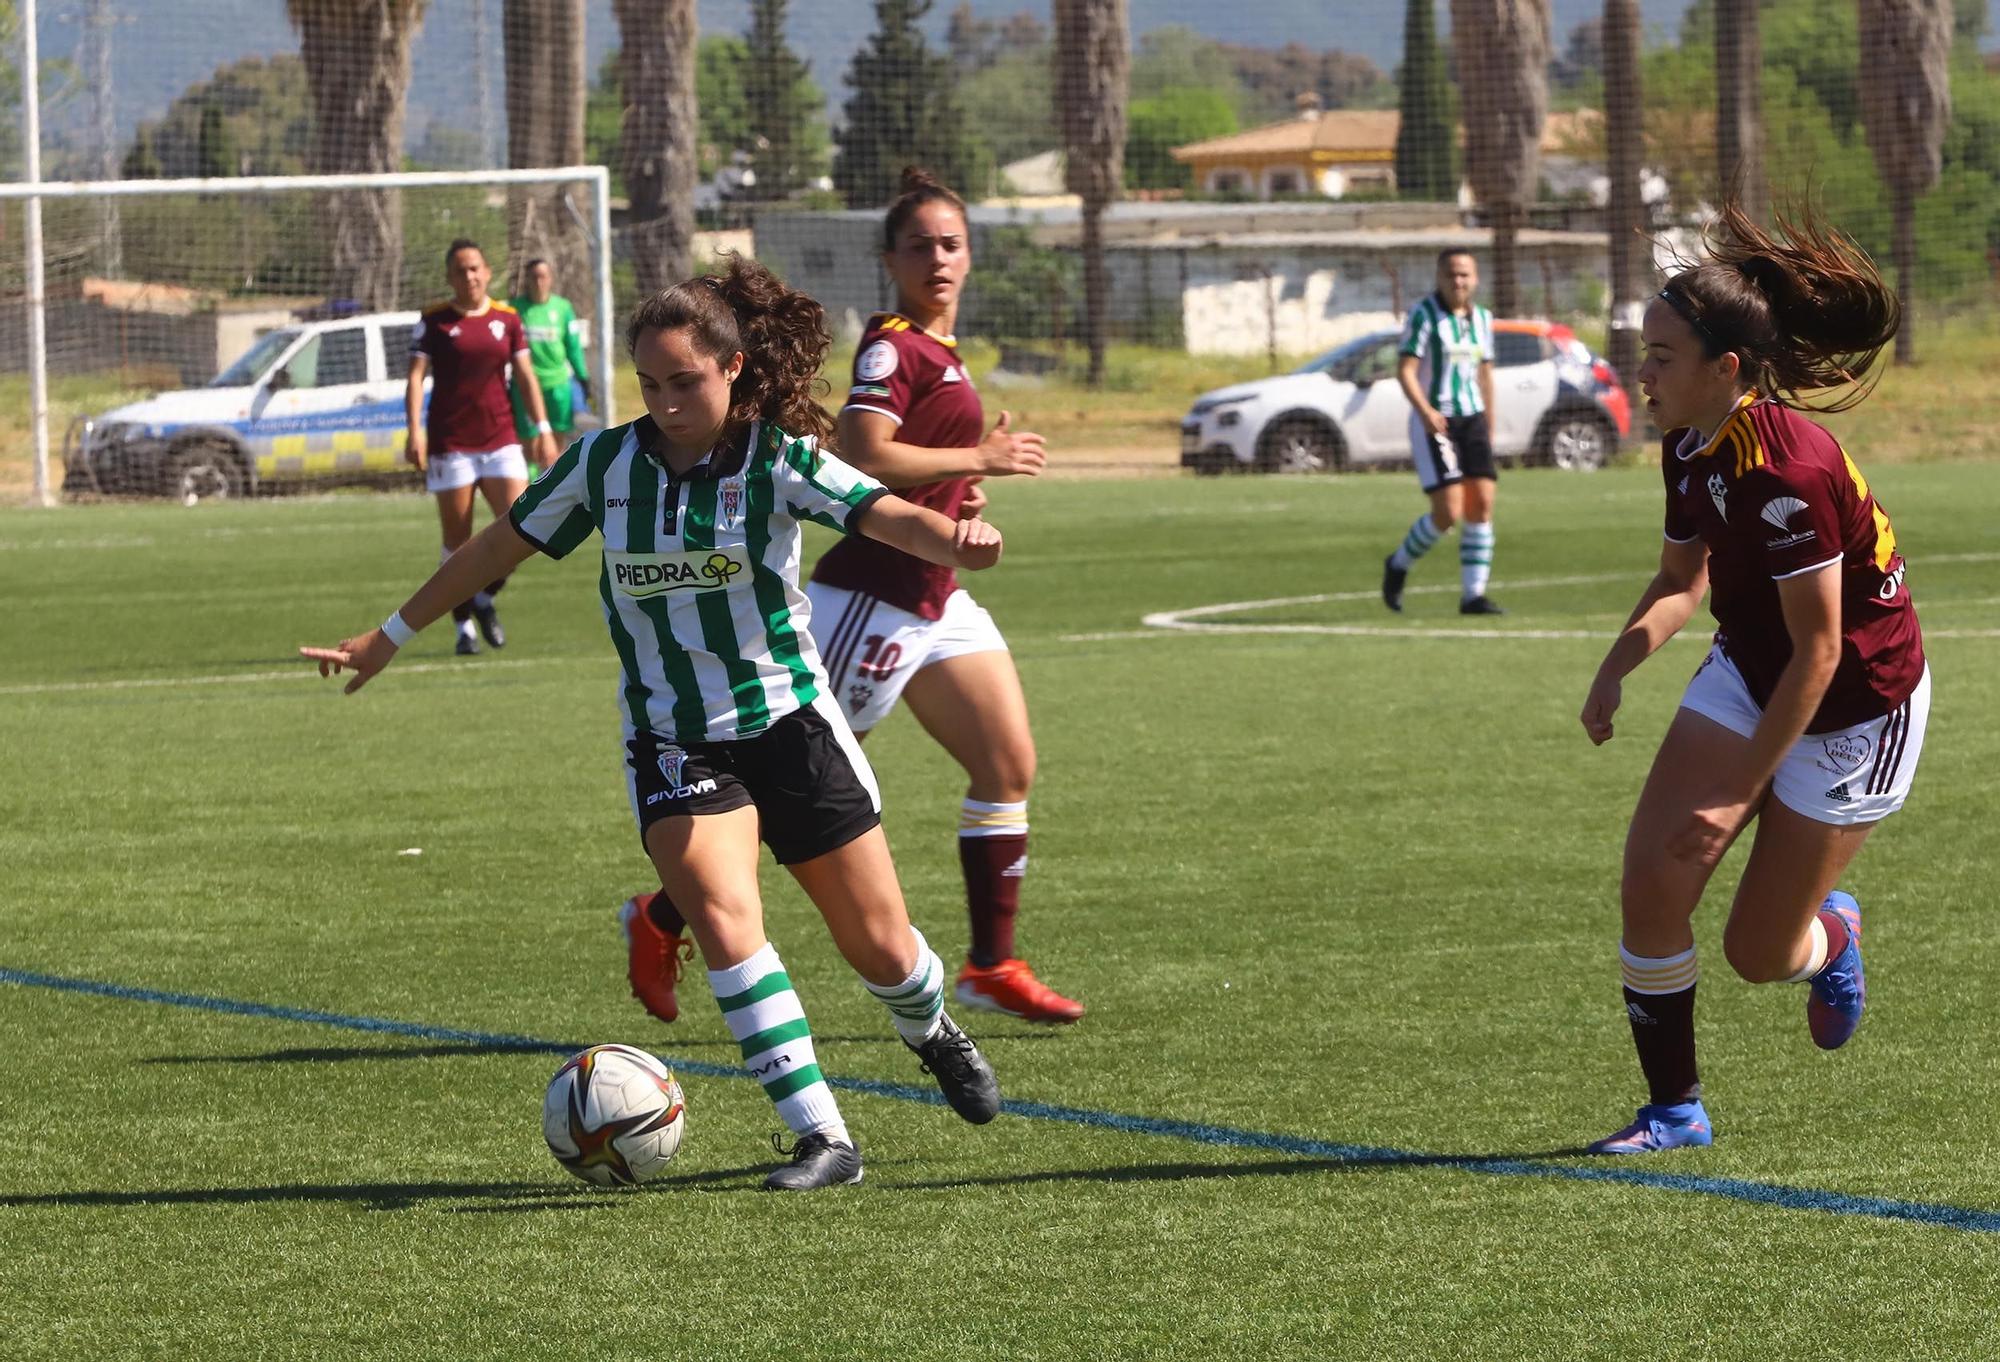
1660 1127
1840 989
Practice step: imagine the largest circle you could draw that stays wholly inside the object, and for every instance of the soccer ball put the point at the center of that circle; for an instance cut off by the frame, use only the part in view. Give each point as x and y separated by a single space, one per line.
614 1116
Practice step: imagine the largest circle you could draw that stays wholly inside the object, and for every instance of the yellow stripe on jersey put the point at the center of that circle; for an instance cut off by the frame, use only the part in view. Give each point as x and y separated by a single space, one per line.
1885 534
1749 449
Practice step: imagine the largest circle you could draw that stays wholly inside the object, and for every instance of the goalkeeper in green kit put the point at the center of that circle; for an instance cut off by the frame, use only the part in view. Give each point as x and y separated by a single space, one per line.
555 345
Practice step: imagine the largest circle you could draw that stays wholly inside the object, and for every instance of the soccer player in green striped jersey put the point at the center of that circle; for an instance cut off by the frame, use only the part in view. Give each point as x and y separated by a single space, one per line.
1446 371
730 733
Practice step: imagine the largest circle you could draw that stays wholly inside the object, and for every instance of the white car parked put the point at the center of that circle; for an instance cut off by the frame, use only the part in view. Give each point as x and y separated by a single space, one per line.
1557 404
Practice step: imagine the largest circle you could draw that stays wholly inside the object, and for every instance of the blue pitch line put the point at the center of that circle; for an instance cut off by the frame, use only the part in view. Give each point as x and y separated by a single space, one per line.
1963 1218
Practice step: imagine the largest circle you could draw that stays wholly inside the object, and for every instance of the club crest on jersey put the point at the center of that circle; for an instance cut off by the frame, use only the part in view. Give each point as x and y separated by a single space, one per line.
1844 754
731 498
498 328
1718 492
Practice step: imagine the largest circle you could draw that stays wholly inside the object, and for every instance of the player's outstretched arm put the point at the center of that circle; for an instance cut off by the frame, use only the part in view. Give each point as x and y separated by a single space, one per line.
492 553
867 440
924 533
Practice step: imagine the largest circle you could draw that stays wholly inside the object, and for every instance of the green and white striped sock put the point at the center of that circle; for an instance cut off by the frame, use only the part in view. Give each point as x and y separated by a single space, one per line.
1475 557
1423 533
769 1024
917 1003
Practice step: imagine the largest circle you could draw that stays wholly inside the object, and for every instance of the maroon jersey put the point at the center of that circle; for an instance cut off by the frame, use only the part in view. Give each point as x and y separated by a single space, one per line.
469 411
1773 496
917 381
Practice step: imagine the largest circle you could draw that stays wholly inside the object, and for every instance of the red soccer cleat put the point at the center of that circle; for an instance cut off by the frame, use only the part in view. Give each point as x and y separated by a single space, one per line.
653 959
1011 987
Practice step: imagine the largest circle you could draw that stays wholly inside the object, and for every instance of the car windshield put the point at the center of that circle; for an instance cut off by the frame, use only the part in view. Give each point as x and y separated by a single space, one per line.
254 361
1342 354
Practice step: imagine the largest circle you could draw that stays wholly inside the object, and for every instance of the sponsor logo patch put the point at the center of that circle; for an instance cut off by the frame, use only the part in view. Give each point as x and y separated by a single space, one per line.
1844 754
1779 511
640 575
876 363
867 390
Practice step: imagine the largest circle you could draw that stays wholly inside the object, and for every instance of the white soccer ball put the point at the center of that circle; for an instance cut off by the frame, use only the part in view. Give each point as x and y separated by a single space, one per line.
614 1116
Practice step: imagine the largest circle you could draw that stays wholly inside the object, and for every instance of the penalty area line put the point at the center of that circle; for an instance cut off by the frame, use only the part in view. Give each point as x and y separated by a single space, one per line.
1966 1219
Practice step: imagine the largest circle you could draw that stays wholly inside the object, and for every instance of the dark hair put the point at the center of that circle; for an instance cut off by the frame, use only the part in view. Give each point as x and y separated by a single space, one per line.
1800 305
919 188
780 332
1454 252
464 243
529 268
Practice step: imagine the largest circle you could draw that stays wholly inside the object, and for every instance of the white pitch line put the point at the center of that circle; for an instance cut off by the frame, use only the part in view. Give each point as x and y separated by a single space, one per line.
306 670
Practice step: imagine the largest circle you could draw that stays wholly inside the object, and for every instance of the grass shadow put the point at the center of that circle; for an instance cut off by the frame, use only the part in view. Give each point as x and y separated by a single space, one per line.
1184 1172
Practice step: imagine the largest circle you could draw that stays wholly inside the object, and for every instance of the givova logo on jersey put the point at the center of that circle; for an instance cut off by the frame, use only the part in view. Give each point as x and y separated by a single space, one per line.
640 575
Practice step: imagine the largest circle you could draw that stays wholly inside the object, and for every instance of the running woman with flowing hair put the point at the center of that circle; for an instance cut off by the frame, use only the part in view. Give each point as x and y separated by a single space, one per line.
893 625
1807 716
731 733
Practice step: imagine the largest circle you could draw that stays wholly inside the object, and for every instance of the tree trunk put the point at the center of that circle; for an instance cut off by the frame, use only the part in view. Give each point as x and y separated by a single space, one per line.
1739 108
1624 117
1905 88
1502 56
656 139
546 86
1093 62
357 59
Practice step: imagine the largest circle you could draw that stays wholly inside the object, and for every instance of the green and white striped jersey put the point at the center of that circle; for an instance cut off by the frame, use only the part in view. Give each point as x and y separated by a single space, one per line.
1449 350
701 571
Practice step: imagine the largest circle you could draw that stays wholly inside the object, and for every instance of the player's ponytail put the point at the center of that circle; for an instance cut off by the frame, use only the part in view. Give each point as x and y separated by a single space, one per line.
919 187
1801 306
781 333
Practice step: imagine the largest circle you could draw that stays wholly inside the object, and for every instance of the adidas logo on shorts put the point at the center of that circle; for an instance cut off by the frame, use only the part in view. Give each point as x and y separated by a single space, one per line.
1839 795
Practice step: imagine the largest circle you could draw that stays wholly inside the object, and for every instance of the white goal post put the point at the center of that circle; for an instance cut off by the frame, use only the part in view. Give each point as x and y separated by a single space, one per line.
35 193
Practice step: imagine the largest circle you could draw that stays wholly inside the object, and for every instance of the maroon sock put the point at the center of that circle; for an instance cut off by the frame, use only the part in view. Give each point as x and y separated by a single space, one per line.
1836 933
664 915
1663 1031
993 870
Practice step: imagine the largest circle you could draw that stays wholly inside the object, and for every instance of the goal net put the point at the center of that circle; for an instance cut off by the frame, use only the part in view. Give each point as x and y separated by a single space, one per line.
205 339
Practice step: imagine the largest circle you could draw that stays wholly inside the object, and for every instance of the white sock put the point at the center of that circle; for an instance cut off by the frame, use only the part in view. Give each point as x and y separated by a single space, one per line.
1816 957
1475 558
769 1024
465 628
1423 534
916 1004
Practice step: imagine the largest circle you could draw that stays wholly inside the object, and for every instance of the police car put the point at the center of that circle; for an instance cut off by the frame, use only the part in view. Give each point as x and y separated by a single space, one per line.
1557 404
314 400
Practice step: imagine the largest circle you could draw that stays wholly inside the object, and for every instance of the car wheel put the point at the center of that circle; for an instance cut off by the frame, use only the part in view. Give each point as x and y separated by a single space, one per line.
1577 443
203 472
1300 444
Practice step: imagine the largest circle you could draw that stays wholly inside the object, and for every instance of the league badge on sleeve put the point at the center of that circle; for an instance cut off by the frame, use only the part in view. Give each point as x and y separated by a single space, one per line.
876 363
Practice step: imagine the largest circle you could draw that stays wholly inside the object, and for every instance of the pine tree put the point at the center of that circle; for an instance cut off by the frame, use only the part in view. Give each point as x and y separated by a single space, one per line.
779 93
901 112
215 151
1424 167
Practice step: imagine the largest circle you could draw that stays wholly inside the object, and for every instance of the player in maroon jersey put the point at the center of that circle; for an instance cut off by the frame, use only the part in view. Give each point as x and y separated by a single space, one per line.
1807 716
889 625
466 439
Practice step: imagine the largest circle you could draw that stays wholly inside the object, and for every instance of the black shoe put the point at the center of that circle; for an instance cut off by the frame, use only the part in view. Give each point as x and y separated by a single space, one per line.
1393 578
817 1161
1479 605
489 625
467 645
962 1073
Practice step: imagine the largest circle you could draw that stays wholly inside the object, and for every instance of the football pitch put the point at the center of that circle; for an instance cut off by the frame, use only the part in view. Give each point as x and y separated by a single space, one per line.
1338 887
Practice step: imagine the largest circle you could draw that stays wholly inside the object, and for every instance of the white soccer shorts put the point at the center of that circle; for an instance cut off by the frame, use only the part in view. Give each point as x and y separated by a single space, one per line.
447 472
871 649
1855 775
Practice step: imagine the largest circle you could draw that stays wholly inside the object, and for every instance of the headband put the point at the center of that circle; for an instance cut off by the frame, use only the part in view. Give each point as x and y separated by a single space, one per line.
1684 306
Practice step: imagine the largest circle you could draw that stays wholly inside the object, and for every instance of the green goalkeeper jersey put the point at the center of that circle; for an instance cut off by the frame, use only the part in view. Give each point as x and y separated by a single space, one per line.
555 341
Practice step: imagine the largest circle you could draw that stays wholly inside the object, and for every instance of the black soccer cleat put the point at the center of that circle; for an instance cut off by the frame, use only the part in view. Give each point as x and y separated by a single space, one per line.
817 1161
962 1073
467 645
489 625
1479 605
1393 578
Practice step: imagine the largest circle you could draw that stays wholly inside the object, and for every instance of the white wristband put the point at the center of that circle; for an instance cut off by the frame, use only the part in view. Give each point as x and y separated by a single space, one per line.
544 428
396 631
